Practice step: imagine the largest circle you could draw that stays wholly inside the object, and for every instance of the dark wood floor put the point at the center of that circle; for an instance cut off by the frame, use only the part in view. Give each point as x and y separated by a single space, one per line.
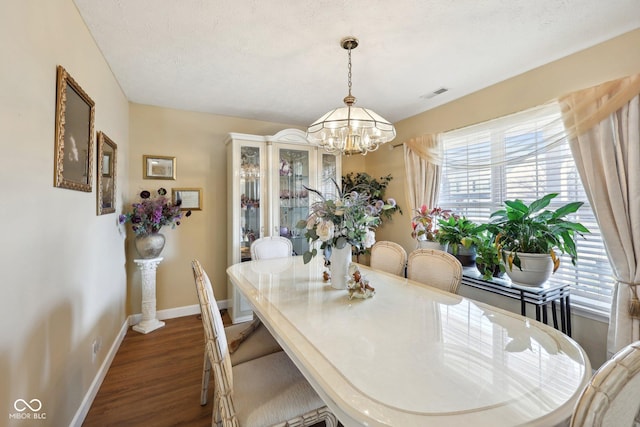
155 379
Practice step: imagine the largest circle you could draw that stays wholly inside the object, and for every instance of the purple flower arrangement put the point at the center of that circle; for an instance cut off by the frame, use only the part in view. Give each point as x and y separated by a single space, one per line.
150 214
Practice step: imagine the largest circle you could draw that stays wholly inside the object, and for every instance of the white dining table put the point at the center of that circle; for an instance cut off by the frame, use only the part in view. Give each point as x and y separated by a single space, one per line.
413 355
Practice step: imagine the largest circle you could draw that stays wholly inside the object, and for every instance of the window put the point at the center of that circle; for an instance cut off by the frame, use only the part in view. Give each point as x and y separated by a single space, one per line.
525 156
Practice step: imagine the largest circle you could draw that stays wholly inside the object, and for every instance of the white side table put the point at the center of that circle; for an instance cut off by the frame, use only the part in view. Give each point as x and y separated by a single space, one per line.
149 320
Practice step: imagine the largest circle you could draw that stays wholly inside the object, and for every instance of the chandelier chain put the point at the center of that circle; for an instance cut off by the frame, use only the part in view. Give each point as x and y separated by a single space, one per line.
349 72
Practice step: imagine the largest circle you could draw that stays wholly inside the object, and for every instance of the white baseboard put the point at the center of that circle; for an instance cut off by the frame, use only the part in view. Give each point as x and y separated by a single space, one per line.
133 319
172 313
83 410
169 313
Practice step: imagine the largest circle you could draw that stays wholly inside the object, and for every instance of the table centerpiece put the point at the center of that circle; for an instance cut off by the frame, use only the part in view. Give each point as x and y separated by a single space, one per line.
339 225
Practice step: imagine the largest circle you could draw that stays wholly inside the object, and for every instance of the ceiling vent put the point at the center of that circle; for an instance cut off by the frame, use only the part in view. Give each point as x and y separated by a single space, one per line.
434 93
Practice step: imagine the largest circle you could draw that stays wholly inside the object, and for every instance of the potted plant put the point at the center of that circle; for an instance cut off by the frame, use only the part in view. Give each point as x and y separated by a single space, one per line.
367 185
459 234
425 226
488 257
374 191
528 236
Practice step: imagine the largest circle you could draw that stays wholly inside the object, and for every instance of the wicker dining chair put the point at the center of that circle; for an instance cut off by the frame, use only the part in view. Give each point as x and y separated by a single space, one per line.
247 341
612 397
388 256
435 268
267 391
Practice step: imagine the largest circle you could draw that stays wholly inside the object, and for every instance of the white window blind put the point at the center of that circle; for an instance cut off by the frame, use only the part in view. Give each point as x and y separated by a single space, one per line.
525 156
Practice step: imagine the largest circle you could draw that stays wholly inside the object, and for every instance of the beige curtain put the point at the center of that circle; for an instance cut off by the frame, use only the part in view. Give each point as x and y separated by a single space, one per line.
423 164
603 126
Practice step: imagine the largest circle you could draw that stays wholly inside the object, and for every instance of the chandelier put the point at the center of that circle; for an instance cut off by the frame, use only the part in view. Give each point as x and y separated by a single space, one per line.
350 130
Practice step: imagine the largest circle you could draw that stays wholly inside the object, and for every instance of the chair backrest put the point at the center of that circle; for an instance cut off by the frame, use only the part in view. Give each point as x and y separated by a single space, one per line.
271 247
216 340
388 256
612 397
435 268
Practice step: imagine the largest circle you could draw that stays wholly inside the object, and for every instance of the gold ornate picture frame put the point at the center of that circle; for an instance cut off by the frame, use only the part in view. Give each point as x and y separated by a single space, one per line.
191 198
74 137
158 167
106 174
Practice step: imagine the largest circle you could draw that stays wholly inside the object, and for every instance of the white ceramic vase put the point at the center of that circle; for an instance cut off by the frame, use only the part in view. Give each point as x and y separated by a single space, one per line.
340 261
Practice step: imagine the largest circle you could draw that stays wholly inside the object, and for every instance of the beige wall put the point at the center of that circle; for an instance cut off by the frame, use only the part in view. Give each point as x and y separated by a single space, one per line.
63 278
197 142
607 61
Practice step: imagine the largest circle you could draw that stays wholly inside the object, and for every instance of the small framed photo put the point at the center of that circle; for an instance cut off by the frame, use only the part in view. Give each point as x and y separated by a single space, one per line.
74 137
191 198
106 175
159 167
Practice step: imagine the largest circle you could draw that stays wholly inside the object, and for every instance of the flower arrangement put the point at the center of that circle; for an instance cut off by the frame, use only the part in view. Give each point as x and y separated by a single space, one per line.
349 219
362 182
425 223
151 214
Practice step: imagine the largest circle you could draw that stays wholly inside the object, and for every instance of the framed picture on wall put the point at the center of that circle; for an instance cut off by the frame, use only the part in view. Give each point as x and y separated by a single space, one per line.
106 174
158 167
74 137
190 198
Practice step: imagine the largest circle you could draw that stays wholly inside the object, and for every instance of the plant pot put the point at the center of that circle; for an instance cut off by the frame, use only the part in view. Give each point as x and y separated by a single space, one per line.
536 269
466 256
149 246
429 244
495 273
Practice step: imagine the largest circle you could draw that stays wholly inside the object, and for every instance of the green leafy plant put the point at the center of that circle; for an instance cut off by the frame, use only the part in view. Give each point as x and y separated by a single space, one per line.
458 230
488 257
530 228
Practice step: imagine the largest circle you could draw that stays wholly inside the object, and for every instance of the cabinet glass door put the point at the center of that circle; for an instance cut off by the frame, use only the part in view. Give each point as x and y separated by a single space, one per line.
250 215
329 172
294 173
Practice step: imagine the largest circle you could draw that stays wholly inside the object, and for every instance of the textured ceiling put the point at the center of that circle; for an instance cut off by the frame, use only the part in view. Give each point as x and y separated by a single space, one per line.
281 60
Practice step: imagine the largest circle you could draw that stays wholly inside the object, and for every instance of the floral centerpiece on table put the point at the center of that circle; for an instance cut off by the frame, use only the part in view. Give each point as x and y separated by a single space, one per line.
425 223
150 214
349 219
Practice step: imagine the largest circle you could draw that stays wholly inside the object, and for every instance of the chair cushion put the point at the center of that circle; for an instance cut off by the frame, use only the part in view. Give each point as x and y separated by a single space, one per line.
270 390
239 332
249 342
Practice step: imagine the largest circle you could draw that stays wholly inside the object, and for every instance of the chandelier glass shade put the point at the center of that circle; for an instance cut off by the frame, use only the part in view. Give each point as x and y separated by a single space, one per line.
350 130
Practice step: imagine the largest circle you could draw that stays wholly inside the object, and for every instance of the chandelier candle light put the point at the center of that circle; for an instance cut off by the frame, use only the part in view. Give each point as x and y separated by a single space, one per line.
350 130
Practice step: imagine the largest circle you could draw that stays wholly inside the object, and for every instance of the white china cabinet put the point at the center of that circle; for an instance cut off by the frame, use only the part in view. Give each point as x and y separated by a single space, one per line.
267 194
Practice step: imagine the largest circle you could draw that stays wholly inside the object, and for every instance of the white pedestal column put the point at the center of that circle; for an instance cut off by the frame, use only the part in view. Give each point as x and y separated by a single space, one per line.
149 321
